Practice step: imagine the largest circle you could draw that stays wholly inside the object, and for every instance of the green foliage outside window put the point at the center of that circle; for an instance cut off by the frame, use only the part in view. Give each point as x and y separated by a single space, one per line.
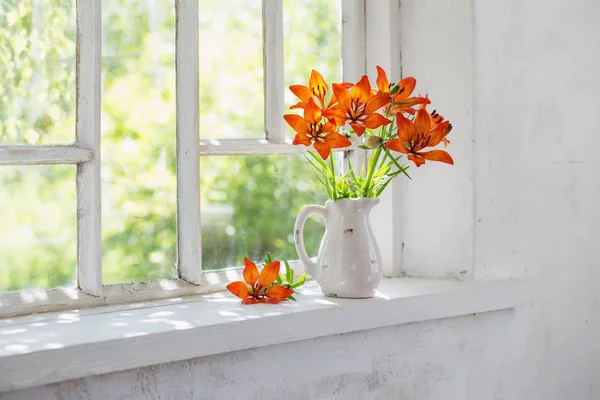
249 203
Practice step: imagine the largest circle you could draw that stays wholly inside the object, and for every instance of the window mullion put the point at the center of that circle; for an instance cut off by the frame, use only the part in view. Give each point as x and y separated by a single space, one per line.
89 237
383 49
353 40
189 246
354 62
273 69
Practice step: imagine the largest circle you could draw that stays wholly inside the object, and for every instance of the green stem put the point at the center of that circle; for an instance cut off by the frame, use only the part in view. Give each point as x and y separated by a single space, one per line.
400 168
333 174
372 163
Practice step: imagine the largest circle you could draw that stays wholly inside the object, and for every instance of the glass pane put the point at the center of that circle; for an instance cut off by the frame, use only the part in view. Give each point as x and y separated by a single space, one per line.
312 31
38 232
138 140
249 206
37 71
231 69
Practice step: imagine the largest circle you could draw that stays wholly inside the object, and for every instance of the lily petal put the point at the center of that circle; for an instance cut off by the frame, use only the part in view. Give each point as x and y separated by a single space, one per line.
279 292
396 145
417 159
250 272
437 134
330 126
269 273
297 123
376 102
337 114
302 138
382 81
362 90
359 129
239 289
406 129
343 96
251 300
312 112
337 141
302 92
407 85
422 122
437 155
374 121
323 149
317 85
300 104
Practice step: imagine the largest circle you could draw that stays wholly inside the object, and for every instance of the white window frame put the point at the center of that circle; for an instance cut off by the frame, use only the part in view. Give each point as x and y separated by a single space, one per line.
357 58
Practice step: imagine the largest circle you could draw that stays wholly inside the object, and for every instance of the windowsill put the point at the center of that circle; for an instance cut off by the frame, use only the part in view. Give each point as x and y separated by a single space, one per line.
53 347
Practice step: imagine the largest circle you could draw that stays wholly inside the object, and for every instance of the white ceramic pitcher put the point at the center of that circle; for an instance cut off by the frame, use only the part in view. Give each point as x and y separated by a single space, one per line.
349 261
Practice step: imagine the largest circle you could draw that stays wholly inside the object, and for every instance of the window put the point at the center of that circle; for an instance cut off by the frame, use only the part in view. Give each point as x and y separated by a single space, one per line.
144 141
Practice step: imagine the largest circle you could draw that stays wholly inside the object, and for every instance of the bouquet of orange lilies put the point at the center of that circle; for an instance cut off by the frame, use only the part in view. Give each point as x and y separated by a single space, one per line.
388 119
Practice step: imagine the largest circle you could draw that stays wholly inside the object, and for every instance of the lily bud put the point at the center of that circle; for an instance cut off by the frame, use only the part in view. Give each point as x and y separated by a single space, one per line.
373 142
394 88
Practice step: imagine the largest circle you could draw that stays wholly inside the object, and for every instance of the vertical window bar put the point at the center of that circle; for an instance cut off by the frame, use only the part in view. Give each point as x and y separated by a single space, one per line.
189 245
353 40
353 62
89 241
383 49
273 69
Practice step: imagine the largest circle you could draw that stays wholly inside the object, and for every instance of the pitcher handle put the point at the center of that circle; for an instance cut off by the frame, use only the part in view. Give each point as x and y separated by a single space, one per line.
307 211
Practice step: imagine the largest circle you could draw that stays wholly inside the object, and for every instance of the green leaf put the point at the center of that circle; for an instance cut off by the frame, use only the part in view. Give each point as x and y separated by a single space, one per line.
300 281
289 273
290 297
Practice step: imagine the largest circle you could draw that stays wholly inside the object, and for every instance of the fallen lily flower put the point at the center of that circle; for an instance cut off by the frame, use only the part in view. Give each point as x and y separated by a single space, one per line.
258 288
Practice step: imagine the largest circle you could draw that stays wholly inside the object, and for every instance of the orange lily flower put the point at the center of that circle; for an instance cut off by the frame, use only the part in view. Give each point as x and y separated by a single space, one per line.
257 288
401 95
359 106
317 88
310 130
415 136
437 119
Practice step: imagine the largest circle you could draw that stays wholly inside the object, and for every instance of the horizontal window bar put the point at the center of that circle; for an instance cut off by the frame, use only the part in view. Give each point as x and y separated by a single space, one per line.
35 155
226 147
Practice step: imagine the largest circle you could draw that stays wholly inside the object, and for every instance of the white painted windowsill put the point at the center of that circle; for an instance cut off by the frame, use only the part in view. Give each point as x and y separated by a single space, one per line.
53 347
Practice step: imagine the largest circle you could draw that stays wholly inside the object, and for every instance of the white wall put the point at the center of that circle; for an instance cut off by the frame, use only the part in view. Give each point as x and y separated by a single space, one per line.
535 209
537 122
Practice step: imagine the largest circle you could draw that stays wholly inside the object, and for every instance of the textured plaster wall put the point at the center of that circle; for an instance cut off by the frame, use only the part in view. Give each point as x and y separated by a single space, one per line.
531 209
537 125
461 358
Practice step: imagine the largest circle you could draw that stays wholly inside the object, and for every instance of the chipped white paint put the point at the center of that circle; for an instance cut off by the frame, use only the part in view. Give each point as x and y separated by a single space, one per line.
36 155
219 323
189 247
272 15
89 236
